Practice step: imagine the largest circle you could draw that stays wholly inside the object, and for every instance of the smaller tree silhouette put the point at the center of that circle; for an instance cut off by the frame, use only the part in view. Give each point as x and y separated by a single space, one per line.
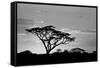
50 37
77 50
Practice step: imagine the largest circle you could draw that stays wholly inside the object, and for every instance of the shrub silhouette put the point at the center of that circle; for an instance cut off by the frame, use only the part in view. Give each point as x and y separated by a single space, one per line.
78 50
50 37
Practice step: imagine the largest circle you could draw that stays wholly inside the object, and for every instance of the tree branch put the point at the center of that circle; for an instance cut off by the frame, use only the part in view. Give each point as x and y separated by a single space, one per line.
44 45
42 42
54 46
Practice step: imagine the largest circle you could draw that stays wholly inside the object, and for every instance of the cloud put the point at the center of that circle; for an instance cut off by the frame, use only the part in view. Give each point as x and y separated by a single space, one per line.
40 22
37 24
90 31
22 24
65 29
22 21
70 30
73 31
21 34
33 26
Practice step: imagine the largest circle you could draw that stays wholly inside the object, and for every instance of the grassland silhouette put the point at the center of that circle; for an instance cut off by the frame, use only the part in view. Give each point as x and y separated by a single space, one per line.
29 58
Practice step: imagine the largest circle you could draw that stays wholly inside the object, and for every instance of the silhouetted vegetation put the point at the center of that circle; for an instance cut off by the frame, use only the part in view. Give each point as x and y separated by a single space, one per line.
51 37
28 58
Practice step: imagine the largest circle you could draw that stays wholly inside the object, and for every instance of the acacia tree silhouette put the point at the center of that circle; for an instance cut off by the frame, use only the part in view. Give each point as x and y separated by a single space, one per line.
50 37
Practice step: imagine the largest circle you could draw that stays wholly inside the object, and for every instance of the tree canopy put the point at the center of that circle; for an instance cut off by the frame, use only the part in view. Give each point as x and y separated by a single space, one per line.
51 37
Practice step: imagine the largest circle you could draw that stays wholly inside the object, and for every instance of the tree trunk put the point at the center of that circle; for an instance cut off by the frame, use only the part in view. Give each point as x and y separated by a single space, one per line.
48 52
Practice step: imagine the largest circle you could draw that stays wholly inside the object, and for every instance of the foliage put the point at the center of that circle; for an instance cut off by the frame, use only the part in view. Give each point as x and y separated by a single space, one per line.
51 37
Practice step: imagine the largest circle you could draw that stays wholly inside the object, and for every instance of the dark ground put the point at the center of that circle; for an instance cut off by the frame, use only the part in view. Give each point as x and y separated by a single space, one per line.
28 58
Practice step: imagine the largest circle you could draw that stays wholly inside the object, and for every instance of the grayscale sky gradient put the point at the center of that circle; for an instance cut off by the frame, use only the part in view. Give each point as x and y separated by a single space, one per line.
79 21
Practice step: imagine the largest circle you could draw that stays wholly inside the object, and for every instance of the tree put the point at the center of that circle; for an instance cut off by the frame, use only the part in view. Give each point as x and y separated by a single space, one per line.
50 37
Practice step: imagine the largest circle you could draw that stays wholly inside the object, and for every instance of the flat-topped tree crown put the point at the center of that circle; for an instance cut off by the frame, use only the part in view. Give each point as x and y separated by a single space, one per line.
51 37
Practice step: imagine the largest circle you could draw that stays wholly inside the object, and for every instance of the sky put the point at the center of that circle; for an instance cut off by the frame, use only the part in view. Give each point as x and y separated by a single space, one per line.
80 22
